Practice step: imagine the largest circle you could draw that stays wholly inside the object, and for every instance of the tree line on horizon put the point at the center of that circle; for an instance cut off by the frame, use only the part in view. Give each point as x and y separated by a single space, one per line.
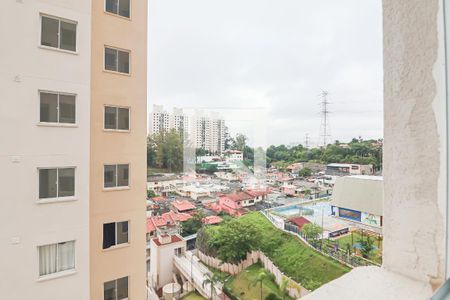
165 151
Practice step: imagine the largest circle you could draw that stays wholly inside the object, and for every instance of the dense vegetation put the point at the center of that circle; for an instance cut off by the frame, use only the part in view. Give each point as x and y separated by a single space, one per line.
358 151
290 255
165 151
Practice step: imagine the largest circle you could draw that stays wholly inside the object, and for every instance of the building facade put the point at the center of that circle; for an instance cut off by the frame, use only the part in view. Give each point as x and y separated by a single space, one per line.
160 121
209 132
118 150
44 153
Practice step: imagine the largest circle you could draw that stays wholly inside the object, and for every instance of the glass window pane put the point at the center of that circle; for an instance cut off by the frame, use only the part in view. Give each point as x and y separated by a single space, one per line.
122 288
124 8
68 36
109 235
124 119
66 182
67 109
124 62
47 183
110 117
122 175
122 233
110 59
47 259
109 290
66 256
49 32
109 176
111 6
48 107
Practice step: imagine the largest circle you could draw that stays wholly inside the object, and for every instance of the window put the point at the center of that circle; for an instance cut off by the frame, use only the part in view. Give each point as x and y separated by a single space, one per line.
116 289
57 33
56 258
115 234
117 60
115 175
117 118
118 7
57 108
56 183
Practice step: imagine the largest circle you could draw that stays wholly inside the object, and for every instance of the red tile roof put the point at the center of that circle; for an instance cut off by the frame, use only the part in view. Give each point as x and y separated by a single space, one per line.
174 239
183 205
211 220
166 219
299 221
239 196
158 199
256 193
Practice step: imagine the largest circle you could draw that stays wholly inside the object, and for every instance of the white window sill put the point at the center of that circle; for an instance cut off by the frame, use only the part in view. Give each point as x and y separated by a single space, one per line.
118 188
57 275
68 125
117 73
117 15
58 50
116 247
56 200
116 130
372 283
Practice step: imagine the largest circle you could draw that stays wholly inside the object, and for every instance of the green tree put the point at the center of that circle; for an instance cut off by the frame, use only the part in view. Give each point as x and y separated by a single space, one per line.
234 240
284 287
305 172
193 225
312 231
151 194
211 279
240 142
165 151
272 296
259 280
366 246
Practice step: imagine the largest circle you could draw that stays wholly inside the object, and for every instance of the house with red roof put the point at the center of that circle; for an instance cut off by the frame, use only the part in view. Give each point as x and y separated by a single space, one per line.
234 203
183 206
212 220
299 221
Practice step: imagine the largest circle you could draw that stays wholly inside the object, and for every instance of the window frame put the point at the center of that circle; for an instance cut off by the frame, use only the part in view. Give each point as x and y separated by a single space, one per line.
116 289
116 245
57 124
57 198
117 118
117 71
116 187
59 19
117 15
57 273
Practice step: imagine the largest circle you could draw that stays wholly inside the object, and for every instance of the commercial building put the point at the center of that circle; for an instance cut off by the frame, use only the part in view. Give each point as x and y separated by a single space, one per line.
348 169
359 199
118 149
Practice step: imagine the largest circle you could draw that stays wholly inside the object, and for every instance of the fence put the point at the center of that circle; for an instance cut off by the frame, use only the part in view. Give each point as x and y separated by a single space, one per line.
295 290
337 254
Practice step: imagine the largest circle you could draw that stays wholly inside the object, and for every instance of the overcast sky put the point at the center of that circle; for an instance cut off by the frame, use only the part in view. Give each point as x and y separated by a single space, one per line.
271 59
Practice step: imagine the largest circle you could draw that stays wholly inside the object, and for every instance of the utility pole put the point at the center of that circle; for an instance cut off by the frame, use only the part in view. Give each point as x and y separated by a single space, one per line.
324 111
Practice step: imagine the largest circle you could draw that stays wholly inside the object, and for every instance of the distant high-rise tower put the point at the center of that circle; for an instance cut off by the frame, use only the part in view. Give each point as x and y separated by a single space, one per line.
162 121
209 132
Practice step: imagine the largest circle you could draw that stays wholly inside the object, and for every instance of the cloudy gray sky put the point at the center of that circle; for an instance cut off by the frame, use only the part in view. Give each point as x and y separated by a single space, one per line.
244 57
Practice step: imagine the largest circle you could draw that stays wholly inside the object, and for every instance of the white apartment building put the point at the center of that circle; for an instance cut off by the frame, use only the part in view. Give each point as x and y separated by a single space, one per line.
44 149
162 121
209 132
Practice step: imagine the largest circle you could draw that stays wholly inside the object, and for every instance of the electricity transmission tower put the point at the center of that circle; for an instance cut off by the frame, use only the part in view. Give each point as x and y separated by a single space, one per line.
325 126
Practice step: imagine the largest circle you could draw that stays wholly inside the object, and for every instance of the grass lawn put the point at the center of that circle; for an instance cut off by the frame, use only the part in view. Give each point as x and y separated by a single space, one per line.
193 296
376 254
293 257
242 285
